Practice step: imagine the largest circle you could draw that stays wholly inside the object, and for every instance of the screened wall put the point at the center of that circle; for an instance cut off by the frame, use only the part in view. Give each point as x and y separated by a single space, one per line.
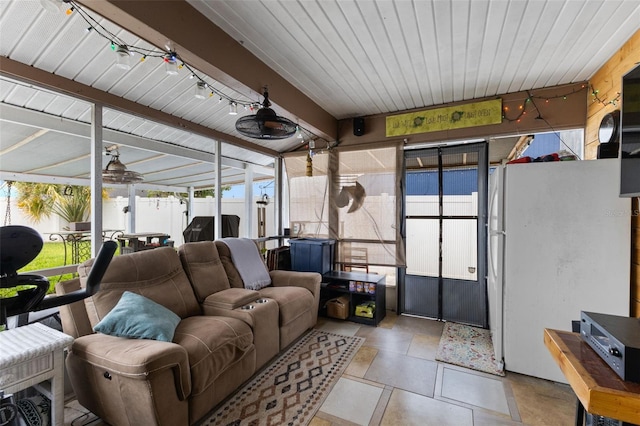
352 196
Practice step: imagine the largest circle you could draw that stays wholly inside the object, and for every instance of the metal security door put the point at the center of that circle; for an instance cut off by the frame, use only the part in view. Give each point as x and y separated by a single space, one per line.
445 234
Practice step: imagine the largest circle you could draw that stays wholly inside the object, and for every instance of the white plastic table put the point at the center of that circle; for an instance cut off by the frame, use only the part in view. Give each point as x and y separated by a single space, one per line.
33 355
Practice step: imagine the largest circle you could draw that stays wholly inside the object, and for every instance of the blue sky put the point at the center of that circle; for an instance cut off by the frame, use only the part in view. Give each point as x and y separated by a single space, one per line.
259 188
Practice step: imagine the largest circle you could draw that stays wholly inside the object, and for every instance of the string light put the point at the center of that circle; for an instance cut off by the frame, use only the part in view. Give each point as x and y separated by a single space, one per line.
171 63
123 59
171 59
201 90
530 99
596 98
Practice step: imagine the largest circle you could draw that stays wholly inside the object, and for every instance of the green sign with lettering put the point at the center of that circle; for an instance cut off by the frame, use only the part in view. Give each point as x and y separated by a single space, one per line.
447 118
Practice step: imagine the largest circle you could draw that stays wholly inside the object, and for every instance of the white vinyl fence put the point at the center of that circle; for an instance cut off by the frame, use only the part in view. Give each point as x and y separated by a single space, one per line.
165 215
168 215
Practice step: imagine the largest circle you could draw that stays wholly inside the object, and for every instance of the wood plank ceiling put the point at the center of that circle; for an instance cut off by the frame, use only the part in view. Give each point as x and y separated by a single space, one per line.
323 61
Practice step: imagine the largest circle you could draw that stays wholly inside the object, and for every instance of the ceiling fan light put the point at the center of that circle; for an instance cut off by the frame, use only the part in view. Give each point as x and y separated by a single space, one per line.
115 165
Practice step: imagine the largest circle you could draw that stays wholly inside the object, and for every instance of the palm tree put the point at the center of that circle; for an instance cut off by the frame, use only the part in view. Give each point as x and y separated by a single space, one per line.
39 200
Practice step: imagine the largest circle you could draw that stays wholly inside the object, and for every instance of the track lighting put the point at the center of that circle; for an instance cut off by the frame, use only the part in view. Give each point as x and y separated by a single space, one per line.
233 108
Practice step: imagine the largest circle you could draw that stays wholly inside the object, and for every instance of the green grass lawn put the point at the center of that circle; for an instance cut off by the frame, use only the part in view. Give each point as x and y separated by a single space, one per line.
51 256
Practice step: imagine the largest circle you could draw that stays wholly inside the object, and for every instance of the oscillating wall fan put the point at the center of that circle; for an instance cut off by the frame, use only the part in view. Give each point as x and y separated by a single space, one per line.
353 193
265 124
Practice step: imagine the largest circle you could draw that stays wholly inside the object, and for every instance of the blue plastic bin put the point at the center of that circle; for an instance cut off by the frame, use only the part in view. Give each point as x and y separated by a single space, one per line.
312 254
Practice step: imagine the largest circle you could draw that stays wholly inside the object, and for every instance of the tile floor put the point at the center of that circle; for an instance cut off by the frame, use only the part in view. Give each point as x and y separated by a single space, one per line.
395 380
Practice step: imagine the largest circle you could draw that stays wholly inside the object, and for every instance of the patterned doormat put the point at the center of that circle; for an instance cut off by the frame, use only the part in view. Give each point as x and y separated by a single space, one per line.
292 388
469 347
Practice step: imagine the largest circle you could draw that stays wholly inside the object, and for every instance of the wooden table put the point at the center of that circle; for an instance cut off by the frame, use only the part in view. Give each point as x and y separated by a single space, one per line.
130 243
598 388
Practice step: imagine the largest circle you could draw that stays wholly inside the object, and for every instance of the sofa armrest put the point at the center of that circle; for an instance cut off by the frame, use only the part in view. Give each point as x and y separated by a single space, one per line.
230 298
308 280
73 316
135 358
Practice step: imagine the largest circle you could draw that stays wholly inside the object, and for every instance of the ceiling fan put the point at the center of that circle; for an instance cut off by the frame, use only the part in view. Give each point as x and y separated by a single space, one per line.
116 172
266 124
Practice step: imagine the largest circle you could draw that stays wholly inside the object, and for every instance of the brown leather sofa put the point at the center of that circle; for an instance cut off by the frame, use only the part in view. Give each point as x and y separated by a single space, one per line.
224 335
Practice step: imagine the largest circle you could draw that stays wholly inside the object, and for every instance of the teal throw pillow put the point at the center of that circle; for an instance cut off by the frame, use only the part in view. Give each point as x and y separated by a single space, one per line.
138 317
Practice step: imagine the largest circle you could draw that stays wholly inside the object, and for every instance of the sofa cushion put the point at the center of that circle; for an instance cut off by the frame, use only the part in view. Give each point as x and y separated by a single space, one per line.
213 344
231 298
136 317
156 274
292 301
203 266
235 280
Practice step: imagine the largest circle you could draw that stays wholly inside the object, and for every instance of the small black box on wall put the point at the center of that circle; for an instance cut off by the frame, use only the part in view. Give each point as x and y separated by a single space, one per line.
358 126
608 150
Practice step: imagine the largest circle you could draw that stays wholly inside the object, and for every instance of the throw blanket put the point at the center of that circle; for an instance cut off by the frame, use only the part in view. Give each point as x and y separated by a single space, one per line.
248 262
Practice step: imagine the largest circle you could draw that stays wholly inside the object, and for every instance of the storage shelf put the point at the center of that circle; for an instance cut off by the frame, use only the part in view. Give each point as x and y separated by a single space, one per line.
336 283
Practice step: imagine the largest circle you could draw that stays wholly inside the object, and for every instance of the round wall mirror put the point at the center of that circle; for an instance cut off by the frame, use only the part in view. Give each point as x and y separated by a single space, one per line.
608 131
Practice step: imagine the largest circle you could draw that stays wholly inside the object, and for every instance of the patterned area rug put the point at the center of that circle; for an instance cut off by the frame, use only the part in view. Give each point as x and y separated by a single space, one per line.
293 387
469 347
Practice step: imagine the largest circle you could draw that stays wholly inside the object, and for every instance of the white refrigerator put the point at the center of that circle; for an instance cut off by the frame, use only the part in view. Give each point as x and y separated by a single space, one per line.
559 243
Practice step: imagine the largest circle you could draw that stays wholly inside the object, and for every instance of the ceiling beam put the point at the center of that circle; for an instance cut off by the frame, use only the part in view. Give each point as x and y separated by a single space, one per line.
517 149
63 180
36 119
24 141
58 84
205 46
